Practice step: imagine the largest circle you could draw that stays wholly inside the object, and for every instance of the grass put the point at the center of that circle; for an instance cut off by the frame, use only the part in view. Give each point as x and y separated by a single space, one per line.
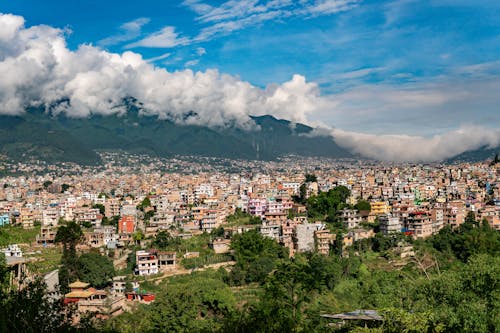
17 235
249 293
47 260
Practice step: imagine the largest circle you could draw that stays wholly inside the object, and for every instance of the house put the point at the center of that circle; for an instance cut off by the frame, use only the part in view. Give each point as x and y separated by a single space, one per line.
146 263
167 260
323 239
304 237
270 229
389 224
221 245
47 235
4 220
350 218
126 224
90 300
120 285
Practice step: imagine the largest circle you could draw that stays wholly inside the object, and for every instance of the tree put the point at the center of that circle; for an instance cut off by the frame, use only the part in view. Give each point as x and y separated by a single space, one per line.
102 209
138 236
363 205
30 310
194 304
311 178
95 269
164 240
256 257
69 235
64 187
47 183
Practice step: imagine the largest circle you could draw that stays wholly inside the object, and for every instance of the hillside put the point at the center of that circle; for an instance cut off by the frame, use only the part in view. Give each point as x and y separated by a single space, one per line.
59 138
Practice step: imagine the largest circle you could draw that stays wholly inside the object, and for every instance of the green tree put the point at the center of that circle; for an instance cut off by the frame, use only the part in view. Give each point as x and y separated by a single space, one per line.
311 178
95 269
64 187
69 234
363 205
102 209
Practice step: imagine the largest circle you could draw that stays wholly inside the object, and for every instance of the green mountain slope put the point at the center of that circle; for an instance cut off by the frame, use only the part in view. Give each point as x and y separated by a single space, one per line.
59 138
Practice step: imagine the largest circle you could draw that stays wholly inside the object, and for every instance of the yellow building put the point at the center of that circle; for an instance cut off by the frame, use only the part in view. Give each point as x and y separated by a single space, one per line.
379 208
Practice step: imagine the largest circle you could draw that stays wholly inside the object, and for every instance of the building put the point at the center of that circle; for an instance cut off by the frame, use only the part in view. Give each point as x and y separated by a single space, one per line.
126 225
4 220
270 229
167 260
350 218
90 300
221 245
47 235
420 224
304 237
323 239
389 224
146 263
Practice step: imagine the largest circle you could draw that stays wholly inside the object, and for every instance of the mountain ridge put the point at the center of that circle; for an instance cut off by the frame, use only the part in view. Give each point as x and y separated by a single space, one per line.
57 138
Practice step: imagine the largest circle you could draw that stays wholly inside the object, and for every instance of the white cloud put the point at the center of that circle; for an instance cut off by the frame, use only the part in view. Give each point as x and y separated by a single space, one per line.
192 63
417 148
130 30
201 51
37 68
164 38
235 15
160 57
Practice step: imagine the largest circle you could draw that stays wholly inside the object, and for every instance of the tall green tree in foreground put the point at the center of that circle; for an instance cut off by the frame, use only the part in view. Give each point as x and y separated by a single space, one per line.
69 235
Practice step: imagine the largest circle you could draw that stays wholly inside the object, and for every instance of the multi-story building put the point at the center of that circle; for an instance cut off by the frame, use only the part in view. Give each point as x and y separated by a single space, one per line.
389 224
146 263
126 225
350 218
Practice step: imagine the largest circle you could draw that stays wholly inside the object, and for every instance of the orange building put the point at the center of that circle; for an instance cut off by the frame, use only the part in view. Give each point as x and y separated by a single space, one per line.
126 225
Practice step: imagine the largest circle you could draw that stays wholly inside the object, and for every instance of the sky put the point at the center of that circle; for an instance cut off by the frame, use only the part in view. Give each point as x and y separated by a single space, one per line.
390 79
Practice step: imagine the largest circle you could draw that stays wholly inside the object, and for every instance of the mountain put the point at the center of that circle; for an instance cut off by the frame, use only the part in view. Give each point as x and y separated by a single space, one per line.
481 154
38 135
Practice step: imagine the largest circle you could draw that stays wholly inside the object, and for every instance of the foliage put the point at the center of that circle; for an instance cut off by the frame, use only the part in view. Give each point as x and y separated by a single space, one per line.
363 205
469 238
191 263
95 269
30 310
195 304
311 178
65 187
102 209
164 240
69 234
255 255
17 235
242 218
326 204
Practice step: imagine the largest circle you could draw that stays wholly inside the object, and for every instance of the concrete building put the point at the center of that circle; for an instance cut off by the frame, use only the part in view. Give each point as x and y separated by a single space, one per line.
389 224
146 263
350 218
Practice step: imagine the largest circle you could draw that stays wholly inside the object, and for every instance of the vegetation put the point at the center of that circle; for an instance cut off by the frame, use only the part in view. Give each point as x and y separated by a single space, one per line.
95 269
242 218
325 205
17 235
69 235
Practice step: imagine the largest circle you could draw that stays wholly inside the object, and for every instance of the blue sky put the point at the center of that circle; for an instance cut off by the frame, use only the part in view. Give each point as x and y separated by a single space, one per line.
387 66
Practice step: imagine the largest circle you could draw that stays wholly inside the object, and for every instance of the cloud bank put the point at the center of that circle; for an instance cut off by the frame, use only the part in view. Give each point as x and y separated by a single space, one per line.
401 148
38 69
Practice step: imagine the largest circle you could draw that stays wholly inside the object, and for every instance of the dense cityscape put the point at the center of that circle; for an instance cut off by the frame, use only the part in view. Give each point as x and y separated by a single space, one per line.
140 219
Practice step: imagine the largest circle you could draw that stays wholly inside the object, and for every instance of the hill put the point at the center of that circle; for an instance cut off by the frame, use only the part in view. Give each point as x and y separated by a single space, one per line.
38 135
